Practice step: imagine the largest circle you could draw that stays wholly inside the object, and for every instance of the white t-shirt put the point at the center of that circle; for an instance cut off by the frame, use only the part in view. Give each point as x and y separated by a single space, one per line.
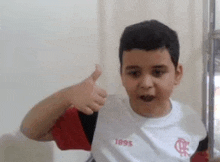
121 135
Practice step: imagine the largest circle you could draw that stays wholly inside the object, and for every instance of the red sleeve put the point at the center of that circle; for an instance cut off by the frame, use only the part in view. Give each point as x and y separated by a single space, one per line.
68 132
202 156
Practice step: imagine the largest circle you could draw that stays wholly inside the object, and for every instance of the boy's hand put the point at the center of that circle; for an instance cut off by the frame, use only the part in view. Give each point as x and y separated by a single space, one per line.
86 96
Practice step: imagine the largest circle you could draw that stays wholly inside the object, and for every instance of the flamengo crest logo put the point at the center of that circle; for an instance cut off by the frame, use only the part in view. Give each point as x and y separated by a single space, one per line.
182 147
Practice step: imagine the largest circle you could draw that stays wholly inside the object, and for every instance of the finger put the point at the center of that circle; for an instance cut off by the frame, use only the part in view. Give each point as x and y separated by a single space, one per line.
94 106
100 100
102 93
96 74
87 111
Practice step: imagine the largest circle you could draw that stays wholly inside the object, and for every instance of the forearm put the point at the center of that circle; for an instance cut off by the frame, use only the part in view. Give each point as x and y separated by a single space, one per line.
85 96
41 118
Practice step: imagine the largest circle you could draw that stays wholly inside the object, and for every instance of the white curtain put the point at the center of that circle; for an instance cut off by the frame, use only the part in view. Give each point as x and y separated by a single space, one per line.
184 16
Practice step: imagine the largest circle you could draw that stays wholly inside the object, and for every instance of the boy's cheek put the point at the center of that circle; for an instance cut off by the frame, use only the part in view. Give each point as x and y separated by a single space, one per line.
166 92
129 84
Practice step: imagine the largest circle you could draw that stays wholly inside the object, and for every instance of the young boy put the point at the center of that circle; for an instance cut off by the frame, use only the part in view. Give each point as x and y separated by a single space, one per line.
144 126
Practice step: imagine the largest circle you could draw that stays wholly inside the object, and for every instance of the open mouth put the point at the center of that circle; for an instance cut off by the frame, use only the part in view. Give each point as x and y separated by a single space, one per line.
147 98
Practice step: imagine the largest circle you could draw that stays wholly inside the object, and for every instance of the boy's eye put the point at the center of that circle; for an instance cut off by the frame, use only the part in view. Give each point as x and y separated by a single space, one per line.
158 73
134 73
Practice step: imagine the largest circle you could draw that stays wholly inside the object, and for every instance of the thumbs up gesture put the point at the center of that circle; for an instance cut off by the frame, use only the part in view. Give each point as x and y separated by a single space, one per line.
86 96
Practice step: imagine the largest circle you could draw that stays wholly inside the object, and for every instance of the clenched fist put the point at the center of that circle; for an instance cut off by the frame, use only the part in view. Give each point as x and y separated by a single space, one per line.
86 96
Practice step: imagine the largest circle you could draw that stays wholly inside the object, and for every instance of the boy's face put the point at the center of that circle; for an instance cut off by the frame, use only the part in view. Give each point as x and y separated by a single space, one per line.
149 78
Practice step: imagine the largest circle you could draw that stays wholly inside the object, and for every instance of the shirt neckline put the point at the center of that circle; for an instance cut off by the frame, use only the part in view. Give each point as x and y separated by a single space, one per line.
155 122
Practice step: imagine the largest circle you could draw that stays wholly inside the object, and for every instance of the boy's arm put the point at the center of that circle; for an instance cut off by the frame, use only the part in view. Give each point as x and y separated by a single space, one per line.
47 137
85 96
40 119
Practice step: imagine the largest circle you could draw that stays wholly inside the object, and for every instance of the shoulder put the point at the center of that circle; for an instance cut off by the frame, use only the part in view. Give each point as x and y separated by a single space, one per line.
190 120
71 130
185 111
184 108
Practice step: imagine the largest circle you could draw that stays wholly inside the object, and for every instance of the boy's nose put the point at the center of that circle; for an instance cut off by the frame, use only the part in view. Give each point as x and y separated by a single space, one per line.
146 82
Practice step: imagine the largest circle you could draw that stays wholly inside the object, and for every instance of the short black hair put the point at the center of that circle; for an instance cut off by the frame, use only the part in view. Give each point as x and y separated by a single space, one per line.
150 35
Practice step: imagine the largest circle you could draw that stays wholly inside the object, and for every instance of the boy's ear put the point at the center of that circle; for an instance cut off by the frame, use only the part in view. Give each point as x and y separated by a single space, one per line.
178 74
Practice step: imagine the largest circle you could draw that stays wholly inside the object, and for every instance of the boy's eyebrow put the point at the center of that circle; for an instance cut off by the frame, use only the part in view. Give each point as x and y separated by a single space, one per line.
132 67
159 66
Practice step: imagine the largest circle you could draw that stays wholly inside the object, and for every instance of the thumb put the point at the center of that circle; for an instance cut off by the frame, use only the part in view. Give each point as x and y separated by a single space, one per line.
96 74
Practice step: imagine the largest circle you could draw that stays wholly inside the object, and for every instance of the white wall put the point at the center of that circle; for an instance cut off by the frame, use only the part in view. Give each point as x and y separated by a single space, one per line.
44 45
